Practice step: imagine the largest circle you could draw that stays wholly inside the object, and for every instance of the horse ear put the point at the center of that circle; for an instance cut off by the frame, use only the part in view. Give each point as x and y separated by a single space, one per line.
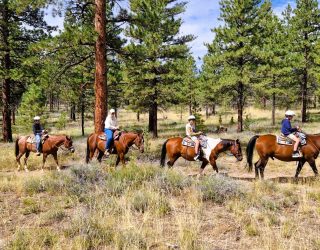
68 137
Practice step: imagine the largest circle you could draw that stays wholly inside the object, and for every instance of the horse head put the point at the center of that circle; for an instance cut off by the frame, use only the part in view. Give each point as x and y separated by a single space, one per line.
68 144
235 149
139 142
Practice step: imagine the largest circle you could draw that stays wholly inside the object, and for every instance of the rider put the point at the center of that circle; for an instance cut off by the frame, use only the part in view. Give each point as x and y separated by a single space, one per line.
110 125
37 130
289 132
191 133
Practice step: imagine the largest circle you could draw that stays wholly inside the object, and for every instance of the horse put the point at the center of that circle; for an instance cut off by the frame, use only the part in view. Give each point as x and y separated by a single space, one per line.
121 146
174 149
49 147
267 147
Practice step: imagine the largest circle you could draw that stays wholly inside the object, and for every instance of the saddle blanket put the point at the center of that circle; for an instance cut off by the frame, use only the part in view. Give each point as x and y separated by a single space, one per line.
283 140
31 140
210 143
116 136
190 143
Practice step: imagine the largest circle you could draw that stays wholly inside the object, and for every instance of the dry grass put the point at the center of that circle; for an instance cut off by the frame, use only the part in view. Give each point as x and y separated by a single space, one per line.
145 207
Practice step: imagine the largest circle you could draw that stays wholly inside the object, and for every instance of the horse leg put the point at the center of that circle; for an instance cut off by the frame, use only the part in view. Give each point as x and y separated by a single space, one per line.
312 164
55 156
118 160
262 166
100 155
203 165
299 167
122 159
25 161
256 168
18 160
43 160
214 164
172 160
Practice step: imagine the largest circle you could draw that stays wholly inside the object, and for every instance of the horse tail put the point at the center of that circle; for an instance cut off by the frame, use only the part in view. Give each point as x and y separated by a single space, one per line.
16 151
163 153
88 150
249 150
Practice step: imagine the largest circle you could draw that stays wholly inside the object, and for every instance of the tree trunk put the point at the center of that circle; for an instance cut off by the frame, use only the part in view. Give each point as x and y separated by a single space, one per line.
153 119
214 109
304 97
51 102
207 112
73 112
240 102
6 62
14 115
138 116
82 116
190 107
273 109
100 61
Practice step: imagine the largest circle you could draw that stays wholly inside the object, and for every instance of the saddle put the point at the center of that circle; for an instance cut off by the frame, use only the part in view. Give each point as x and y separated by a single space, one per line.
283 140
190 143
116 136
32 139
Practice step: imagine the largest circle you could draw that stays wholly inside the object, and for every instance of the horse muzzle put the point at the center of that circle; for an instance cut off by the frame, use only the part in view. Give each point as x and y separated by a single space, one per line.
239 158
72 149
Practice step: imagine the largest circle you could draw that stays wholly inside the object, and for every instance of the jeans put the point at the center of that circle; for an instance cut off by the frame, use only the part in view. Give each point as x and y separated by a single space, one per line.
38 140
109 135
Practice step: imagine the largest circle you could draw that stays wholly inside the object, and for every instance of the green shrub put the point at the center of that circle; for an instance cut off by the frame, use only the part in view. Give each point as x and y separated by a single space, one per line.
171 182
220 189
62 121
30 206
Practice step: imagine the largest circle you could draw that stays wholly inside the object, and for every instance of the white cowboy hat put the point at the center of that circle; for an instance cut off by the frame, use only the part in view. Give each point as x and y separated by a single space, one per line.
290 113
191 117
36 118
112 111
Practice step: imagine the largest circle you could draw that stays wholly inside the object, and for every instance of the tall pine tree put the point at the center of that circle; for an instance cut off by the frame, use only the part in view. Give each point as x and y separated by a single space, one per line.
234 51
154 53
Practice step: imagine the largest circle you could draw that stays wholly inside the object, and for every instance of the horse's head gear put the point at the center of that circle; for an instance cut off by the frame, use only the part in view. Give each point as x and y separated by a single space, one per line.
139 142
68 144
236 149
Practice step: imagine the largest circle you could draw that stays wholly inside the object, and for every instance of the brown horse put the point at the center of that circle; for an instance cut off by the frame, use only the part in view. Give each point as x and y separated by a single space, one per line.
174 148
50 146
267 147
122 145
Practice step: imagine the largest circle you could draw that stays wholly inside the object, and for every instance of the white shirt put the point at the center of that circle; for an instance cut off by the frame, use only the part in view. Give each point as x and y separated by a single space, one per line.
190 128
111 123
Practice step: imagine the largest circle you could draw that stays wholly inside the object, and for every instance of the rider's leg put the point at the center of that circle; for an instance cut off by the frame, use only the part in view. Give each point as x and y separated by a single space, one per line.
196 148
38 140
109 134
296 142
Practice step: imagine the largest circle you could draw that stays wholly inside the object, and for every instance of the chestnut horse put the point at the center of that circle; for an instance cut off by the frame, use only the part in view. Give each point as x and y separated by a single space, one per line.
267 147
122 145
49 147
174 148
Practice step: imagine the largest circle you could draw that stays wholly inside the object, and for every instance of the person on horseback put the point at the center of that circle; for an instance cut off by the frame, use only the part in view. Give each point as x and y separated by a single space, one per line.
110 125
193 135
289 132
37 131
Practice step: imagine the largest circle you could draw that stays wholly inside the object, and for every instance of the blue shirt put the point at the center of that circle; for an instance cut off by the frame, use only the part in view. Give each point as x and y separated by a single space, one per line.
286 128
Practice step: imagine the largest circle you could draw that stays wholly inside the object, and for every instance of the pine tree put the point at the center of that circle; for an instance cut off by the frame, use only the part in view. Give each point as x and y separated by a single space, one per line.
21 25
154 53
233 53
306 30
275 67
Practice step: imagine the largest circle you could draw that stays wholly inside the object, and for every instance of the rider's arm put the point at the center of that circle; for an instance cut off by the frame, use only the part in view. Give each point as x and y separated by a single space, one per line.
34 129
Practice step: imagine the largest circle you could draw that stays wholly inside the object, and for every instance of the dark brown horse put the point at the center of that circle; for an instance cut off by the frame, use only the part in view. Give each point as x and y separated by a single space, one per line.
122 145
174 149
267 147
49 147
